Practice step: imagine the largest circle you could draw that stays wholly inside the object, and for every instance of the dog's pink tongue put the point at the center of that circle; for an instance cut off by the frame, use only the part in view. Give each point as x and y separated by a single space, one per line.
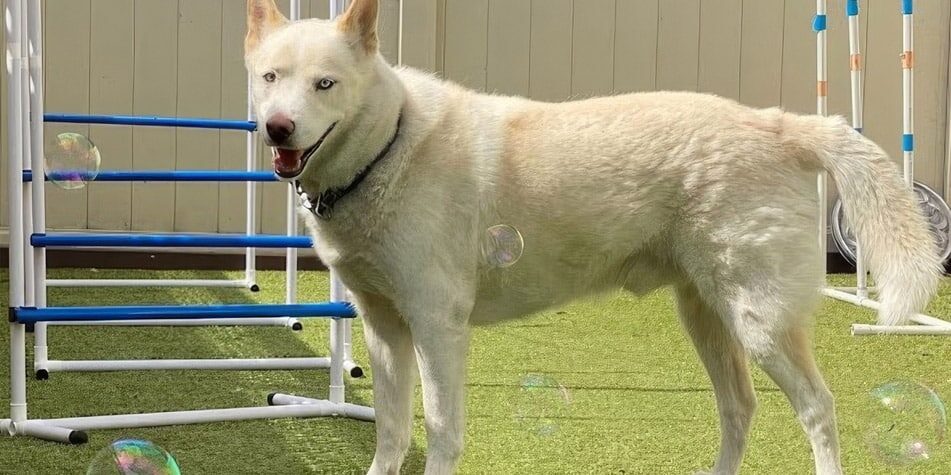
287 161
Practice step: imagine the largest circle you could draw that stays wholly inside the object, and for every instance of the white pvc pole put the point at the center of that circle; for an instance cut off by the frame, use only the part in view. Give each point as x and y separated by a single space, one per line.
855 66
144 283
14 39
338 293
37 130
218 364
158 419
289 322
26 104
822 92
290 277
250 264
908 91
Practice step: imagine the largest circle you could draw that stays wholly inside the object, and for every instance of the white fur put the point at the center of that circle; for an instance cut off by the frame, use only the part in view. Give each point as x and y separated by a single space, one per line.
635 191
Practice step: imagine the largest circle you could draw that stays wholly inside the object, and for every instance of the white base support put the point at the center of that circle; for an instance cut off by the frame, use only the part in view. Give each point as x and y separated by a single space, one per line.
352 368
147 283
70 430
921 330
926 325
232 364
291 323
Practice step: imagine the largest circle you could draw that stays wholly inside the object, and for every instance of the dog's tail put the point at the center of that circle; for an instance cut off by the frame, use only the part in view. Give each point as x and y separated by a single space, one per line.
896 242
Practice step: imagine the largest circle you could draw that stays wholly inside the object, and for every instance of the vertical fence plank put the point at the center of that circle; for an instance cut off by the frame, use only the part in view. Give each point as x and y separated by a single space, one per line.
508 55
66 45
678 48
635 45
199 72
592 48
466 40
110 92
550 57
720 46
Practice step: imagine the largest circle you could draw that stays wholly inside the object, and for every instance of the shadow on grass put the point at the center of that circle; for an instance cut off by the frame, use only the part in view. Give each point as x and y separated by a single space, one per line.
320 445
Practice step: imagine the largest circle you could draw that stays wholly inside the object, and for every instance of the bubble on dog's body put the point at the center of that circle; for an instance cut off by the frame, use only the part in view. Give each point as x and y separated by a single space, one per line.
502 246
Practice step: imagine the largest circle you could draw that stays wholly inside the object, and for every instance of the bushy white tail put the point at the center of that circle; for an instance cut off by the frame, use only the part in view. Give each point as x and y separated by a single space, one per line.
882 211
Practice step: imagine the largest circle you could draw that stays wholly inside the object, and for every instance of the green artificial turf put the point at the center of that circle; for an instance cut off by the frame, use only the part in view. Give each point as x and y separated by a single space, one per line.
629 394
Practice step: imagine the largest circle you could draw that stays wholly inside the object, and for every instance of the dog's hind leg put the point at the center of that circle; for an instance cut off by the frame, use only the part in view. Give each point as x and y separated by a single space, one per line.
391 359
792 366
725 362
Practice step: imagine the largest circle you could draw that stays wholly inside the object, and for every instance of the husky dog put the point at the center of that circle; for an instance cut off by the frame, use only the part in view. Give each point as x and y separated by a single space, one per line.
402 173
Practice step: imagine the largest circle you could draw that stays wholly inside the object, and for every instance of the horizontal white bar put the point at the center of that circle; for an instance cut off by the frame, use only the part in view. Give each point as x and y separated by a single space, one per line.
855 289
198 322
860 330
278 399
872 304
170 364
50 432
157 419
144 283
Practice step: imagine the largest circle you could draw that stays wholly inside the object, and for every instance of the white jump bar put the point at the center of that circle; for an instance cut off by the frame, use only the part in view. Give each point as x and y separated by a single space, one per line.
145 283
289 322
232 364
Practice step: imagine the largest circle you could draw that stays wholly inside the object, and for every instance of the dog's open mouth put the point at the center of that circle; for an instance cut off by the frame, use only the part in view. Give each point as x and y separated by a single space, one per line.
289 163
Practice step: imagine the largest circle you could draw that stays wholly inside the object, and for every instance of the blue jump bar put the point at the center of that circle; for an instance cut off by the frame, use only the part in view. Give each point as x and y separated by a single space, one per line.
161 175
169 240
151 121
92 314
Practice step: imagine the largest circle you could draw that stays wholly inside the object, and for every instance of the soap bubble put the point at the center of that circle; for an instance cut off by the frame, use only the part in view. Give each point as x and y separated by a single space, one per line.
133 457
71 160
502 246
908 424
542 403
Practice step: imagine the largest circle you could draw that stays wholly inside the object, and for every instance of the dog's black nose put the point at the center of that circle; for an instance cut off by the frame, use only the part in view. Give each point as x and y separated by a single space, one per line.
279 128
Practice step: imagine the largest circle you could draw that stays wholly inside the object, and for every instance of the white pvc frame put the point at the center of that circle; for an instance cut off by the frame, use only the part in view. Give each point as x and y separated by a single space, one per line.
36 269
859 295
23 20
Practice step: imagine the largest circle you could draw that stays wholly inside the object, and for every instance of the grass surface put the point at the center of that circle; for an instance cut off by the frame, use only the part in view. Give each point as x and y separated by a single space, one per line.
634 400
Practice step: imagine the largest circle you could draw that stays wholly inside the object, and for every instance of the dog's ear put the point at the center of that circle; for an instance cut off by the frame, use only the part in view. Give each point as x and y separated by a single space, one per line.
359 22
263 18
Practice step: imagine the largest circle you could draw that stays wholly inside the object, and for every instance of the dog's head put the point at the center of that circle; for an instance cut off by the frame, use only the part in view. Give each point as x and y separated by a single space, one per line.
307 77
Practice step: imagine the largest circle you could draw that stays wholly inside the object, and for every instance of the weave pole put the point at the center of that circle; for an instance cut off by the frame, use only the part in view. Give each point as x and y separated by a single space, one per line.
822 108
858 113
908 90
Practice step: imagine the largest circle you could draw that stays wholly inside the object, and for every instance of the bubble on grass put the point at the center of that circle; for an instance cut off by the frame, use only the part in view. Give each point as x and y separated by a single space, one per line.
908 424
502 246
542 403
71 160
133 457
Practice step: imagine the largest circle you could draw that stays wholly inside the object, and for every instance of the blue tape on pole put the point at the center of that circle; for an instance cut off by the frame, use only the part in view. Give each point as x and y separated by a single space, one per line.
170 240
819 23
164 176
159 312
906 7
219 124
852 7
908 143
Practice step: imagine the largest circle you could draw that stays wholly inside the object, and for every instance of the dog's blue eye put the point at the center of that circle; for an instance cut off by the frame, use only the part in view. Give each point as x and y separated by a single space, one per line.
270 77
325 84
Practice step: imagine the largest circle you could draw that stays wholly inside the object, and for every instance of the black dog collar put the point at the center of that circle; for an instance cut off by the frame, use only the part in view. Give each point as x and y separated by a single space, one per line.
322 205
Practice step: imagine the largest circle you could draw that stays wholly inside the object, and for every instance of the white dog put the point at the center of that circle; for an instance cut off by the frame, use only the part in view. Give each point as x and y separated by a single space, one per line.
402 173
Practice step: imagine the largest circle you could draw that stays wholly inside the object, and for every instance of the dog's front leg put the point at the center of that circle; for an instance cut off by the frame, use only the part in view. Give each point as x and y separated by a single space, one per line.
442 343
394 376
